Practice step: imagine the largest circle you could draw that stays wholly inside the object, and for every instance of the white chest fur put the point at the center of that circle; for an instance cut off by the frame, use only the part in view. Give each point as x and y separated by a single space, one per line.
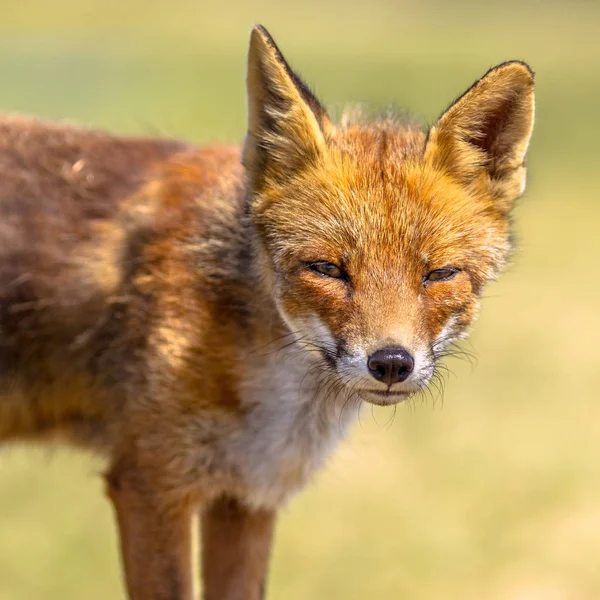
295 416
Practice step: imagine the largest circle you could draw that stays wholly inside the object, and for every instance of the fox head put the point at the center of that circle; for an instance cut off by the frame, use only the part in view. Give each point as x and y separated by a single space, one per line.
380 236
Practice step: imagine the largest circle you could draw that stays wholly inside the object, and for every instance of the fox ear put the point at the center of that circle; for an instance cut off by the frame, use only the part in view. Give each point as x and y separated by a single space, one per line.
483 137
286 123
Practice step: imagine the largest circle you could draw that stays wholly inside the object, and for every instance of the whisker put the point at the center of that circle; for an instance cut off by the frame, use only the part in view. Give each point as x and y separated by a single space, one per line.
274 341
390 421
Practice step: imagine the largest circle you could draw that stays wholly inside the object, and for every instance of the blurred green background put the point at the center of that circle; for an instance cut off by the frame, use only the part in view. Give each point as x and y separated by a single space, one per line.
494 493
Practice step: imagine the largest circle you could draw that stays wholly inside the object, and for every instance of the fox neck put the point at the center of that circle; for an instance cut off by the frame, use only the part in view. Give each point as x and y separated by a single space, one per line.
294 410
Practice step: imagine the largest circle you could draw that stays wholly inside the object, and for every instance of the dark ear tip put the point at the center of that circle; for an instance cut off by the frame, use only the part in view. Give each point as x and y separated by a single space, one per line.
524 65
515 68
259 32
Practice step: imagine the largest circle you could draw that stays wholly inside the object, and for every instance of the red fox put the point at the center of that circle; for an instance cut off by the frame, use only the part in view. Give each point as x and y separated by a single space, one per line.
208 319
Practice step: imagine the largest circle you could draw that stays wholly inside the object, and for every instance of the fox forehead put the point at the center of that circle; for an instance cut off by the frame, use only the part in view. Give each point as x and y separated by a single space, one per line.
373 195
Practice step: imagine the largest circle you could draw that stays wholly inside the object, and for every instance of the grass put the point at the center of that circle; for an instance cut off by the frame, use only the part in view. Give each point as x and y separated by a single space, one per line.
495 492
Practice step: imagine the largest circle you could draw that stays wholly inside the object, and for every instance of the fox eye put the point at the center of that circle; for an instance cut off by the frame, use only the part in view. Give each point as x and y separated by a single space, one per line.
328 269
444 274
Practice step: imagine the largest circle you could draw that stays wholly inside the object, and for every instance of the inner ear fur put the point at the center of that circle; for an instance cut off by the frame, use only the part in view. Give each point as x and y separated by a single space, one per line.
483 137
287 125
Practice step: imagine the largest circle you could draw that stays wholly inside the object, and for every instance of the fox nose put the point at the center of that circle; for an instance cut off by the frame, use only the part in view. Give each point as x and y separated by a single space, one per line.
391 365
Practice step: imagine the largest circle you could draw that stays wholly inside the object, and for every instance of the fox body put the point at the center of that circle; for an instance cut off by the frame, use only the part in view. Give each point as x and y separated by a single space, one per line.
209 319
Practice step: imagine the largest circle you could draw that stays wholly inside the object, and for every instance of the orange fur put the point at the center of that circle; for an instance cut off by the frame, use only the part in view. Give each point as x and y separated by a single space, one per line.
202 317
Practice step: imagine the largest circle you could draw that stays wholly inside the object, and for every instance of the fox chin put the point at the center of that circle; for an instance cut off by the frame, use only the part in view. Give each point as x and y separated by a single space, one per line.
203 317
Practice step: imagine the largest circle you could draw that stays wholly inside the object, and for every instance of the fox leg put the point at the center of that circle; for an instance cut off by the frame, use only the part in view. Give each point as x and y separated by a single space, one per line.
155 539
236 543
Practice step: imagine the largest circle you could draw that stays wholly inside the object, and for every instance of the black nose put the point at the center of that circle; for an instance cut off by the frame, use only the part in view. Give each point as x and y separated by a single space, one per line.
391 365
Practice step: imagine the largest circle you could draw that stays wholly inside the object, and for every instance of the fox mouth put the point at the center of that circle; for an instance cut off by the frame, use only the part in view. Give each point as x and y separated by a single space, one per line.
383 397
